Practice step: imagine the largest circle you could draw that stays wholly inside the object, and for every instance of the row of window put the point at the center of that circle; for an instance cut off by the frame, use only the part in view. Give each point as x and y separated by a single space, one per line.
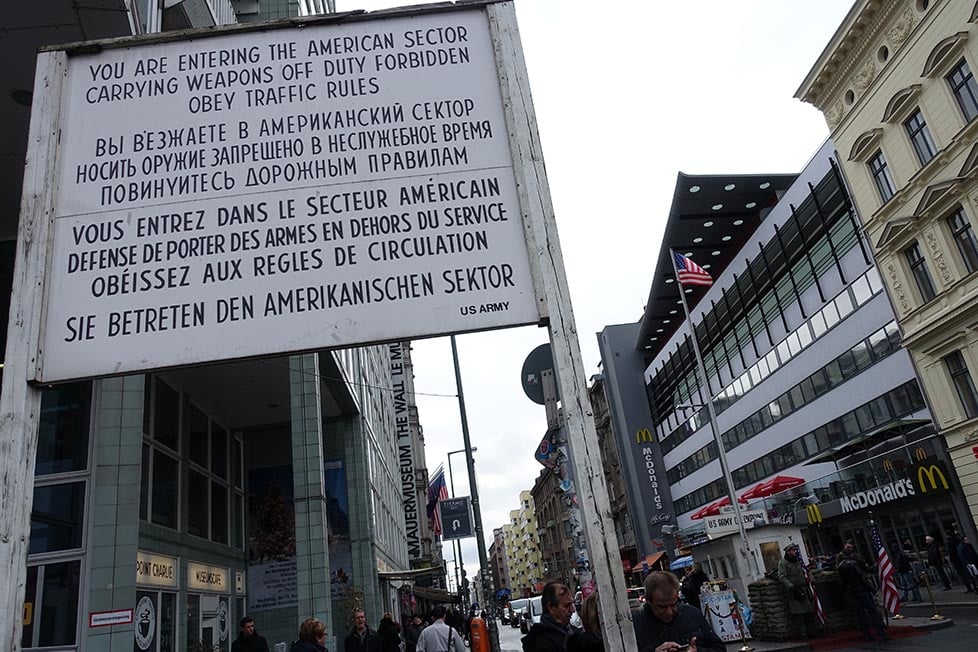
896 403
899 402
176 431
855 295
965 90
967 245
863 355
786 267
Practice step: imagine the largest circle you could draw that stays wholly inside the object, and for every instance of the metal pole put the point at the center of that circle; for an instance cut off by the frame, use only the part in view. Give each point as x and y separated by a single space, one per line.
721 453
456 547
474 493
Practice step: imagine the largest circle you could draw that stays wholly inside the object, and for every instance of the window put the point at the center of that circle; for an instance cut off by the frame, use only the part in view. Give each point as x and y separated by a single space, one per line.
965 90
62 438
881 175
964 237
52 593
918 268
920 137
961 379
57 517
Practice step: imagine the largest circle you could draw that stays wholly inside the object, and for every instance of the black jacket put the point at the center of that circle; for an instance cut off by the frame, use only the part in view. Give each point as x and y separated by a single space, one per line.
650 632
307 646
253 643
371 642
546 636
852 574
585 642
390 637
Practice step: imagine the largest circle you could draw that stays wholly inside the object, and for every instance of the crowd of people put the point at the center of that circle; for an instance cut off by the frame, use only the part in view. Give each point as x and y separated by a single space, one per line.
670 620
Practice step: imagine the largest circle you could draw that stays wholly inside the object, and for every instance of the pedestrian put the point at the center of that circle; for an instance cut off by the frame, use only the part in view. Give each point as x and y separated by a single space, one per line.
664 624
852 574
905 575
249 640
793 578
936 560
412 632
439 637
361 638
312 637
694 580
953 543
553 630
969 559
387 631
587 639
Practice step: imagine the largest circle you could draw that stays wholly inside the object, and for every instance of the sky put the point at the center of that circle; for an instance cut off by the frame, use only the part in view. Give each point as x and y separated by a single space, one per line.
627 95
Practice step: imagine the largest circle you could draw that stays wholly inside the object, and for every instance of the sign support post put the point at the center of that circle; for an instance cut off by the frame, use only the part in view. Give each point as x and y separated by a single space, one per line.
20 404
546 262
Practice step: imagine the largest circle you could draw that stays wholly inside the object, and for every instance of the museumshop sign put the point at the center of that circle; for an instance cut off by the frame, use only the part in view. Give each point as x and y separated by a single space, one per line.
924 478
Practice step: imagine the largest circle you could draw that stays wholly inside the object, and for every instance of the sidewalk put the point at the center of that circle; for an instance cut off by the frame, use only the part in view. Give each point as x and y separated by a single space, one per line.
918 621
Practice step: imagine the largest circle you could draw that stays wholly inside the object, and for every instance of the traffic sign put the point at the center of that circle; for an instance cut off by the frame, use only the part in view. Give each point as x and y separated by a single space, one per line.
456 518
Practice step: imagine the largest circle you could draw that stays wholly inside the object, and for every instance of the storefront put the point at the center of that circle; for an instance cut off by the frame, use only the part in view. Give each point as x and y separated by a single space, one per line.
209 616
157 590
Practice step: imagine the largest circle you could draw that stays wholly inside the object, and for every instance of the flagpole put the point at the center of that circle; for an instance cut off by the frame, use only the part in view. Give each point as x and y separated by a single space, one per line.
744 564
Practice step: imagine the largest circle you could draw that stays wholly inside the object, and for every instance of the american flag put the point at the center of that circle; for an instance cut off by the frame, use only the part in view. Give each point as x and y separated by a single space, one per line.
437 491
819 611
890 595
690 273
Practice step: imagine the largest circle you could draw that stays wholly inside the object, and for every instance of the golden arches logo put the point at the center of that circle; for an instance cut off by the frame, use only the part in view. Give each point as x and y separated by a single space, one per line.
920 454
932 473
643 435
887 464
814 514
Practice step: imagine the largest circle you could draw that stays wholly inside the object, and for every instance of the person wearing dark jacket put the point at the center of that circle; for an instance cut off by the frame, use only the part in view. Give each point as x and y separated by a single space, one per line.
691 585
953 544
390 637
905 576
249 640
935 558
361 638
664 624
553 630
794 580
589 638
968 557
852 575
411 633
312 637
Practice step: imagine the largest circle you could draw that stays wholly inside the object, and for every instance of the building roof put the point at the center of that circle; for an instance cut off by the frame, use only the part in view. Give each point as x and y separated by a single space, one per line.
711 219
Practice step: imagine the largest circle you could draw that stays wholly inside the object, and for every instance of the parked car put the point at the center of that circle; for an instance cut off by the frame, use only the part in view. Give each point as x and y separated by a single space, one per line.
516 608
636 598
532 613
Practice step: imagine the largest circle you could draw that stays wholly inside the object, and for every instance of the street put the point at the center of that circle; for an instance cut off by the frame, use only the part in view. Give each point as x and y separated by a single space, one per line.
509 638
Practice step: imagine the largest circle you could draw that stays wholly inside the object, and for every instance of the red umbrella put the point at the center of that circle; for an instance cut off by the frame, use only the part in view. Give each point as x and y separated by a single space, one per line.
698 514
755 492
780 483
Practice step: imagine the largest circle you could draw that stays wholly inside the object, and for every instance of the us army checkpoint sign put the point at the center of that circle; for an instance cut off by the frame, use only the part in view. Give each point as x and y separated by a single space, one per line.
274 191
456 518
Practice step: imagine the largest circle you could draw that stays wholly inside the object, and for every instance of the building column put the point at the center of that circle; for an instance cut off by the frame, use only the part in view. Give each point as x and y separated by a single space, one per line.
312 552
114 531
362 517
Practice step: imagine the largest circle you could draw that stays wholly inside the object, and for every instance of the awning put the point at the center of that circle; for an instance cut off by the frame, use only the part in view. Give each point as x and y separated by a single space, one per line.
682 562
413 574
649 560
435 595
896 428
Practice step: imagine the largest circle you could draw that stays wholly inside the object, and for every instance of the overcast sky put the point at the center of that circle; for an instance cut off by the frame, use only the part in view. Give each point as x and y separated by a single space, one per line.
627 95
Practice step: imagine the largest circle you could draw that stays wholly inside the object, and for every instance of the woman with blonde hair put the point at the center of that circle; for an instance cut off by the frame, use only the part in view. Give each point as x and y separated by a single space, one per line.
589 638
312 637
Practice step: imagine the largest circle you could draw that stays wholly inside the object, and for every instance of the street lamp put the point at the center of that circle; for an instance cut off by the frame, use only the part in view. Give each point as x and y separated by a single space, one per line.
456 545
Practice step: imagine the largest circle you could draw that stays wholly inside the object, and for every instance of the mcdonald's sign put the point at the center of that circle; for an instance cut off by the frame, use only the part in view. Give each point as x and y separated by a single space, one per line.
931 478
814 514
887 464
920 454
643 435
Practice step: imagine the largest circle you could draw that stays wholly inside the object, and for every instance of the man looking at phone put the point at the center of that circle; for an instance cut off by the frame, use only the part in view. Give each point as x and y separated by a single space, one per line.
664 624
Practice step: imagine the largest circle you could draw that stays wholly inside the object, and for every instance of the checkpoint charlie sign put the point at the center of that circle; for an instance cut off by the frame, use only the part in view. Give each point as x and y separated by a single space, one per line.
302 183
273 189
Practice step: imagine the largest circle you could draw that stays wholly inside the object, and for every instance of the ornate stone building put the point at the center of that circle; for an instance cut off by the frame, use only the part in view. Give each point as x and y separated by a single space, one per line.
897 89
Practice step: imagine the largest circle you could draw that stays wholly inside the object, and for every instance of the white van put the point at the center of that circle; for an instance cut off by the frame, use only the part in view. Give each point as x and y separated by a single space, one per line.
534 612
516 608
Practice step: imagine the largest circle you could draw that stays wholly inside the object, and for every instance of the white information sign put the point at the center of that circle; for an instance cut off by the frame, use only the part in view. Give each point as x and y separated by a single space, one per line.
265 192
272 585
207 578
717 526
156 570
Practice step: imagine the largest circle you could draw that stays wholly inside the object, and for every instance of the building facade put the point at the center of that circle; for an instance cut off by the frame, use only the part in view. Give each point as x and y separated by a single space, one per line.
498 565
898 93
523 548
819 411
554 529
